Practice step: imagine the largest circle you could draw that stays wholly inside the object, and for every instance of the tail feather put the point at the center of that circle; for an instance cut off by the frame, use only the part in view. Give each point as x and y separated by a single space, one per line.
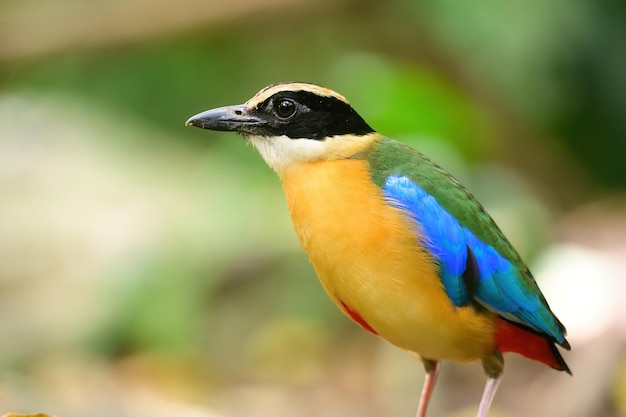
515 337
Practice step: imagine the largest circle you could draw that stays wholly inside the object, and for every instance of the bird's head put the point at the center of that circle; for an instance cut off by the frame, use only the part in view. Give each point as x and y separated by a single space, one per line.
291 123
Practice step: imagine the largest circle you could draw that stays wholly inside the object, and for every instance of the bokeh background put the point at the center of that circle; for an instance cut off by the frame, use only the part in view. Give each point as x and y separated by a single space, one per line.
148 269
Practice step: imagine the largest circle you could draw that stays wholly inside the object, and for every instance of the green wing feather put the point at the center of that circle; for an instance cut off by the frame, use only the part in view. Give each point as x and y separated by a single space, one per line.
504 286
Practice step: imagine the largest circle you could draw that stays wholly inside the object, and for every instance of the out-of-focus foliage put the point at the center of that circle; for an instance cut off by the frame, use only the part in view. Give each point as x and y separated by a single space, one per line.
148 269
560 64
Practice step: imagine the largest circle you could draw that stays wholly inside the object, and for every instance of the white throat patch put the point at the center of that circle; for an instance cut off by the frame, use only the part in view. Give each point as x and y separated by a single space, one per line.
280 152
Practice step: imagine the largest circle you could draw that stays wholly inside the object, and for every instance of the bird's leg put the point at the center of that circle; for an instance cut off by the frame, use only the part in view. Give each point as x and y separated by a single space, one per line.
432 372
493 365
488 393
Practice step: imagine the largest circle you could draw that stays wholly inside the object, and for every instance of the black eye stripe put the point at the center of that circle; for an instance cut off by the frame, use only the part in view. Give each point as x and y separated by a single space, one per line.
314 116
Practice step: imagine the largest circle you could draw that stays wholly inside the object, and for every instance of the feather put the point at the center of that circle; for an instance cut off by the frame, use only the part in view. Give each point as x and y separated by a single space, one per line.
452 224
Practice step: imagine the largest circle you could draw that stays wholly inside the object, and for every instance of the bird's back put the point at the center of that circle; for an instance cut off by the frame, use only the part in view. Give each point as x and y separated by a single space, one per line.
454 222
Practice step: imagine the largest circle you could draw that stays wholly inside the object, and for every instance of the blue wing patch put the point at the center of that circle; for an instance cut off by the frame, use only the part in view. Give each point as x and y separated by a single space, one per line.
500 284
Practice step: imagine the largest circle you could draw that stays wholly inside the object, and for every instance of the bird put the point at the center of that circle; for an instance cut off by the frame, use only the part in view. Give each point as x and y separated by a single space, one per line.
398 243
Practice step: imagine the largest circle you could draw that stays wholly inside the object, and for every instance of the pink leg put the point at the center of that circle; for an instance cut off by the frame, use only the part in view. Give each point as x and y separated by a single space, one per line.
488 393
432 372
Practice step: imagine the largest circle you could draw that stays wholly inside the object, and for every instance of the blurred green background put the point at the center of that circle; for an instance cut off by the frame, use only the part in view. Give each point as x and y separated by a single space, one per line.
147 269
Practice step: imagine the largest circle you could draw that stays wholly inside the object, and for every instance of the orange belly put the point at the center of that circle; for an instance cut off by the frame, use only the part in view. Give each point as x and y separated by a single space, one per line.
368 258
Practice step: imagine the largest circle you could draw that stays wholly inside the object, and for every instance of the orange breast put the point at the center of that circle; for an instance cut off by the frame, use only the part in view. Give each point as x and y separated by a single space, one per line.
368 258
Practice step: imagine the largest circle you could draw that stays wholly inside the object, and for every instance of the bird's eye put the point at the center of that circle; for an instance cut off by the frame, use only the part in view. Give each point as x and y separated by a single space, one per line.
285 109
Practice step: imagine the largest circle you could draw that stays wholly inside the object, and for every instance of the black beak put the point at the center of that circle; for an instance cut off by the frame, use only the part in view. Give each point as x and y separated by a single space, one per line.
227 119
